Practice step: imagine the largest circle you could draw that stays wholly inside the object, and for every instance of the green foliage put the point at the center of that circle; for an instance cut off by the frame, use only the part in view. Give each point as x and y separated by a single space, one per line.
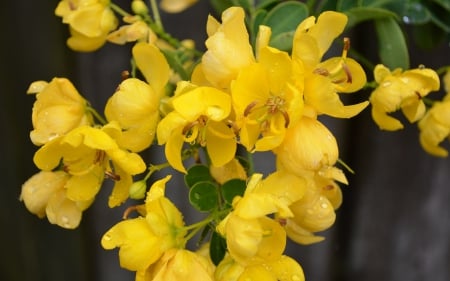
283 19
197 173
204 196
217 248
392 47
233 188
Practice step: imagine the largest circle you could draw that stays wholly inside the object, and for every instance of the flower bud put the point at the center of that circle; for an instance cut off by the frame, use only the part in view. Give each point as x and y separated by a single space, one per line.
137 189
138 7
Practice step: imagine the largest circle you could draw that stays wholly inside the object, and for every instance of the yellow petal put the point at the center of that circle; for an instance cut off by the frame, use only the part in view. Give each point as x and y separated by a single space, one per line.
386 122
156 73
329 25
221 144
287 269
85 187
121 188
138 246
38 189
62 211
213 103
172 150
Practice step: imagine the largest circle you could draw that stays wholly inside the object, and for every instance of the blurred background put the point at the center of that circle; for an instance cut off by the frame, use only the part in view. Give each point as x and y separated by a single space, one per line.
394 223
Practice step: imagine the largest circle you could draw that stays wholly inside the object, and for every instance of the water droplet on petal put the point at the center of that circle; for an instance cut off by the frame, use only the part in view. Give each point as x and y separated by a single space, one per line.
107 237
295 278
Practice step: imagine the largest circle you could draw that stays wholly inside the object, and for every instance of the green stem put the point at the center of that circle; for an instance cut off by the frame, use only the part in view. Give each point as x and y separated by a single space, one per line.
156 15
119 10
97 116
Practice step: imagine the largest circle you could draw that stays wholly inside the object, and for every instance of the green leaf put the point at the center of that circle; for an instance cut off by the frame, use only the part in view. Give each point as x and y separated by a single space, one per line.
392 46
344 5
360 14
266 4
233 188
217 248
440 16
197 173
284 19
221 5
257 19
204 196
444 3
428 36
414 12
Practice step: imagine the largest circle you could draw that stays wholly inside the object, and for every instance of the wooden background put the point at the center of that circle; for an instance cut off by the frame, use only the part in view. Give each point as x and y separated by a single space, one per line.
394 224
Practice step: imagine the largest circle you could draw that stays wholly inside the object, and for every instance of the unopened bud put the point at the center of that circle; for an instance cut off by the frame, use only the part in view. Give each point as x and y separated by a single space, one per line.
138 7
137 189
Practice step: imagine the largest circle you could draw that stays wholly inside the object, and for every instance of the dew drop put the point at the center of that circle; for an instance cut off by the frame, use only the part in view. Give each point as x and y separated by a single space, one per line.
107 237
386 84
324 205
295 278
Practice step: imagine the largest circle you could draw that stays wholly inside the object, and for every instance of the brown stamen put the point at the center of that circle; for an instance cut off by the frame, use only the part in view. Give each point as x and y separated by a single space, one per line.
112 175
249 108
125 75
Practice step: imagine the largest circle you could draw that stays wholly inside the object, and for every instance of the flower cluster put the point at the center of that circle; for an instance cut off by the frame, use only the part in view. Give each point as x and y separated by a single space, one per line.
238 94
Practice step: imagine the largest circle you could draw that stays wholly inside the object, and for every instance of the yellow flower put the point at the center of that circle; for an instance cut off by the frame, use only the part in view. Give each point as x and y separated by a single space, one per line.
323 80
197 118
312 213
176 6
143 240
227 40
58 109
401 90
282 269
252 237
265 100
179 265
231 170
44 194
86 153
90 21
435 128
135 31
308 145
135 105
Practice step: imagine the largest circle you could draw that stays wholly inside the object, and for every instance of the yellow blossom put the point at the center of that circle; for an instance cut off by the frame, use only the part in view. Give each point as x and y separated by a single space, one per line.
265 100
176 6
323 80
58 109
227 40
401 90
143 240
179 265
282 269
135 31
90 21
253 237
312 213
435 128
44 194
86 153
135 105
197 118
231 170
308 145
